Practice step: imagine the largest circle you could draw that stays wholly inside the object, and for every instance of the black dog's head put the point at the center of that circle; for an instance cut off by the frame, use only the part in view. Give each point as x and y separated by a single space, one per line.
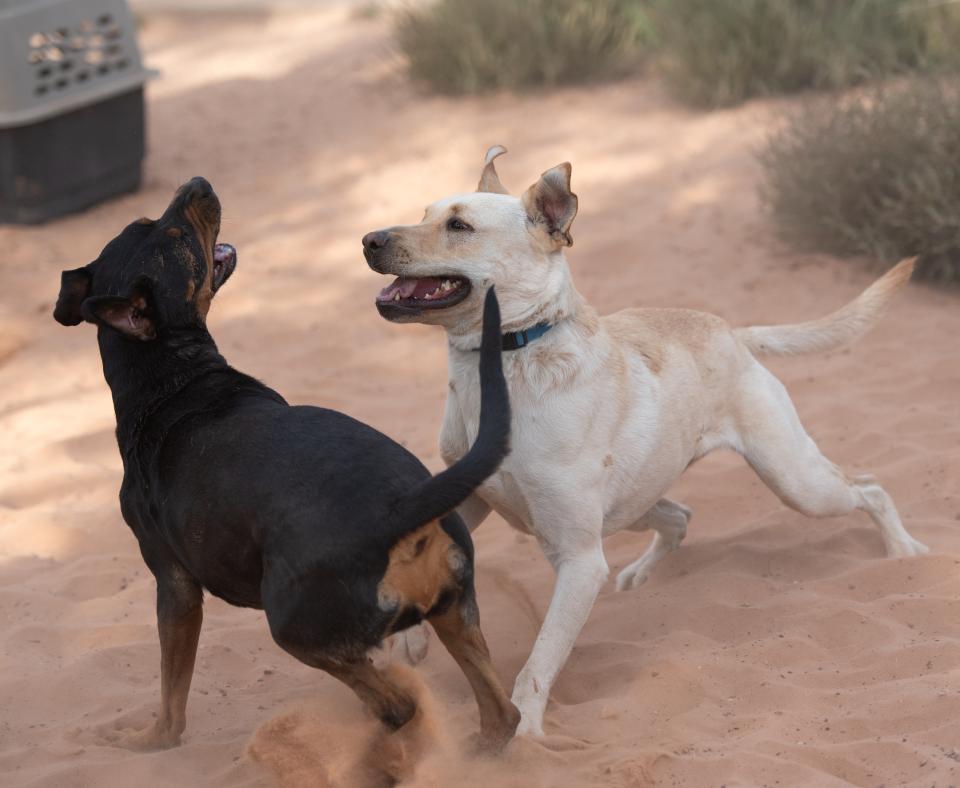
155 274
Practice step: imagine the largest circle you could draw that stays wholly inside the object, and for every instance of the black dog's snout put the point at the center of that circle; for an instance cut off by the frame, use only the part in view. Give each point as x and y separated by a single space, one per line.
375 241
197 188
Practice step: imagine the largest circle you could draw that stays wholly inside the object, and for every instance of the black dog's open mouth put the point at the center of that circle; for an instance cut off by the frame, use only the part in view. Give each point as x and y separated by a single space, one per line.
224 262
429 292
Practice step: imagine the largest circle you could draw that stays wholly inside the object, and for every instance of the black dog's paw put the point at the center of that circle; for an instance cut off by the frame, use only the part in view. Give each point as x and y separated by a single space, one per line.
129 736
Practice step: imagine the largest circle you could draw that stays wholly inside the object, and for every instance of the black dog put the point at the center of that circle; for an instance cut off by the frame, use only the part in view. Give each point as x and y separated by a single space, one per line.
337 532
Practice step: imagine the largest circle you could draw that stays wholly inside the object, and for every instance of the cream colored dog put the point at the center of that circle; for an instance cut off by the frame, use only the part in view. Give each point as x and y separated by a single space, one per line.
607 411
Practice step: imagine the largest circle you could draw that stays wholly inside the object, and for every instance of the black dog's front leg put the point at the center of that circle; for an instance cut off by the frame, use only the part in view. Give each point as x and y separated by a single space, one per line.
179 616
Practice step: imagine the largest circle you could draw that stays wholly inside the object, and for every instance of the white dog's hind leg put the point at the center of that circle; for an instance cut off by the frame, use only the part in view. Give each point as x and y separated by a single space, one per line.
669 521
581 574
789 462
663 514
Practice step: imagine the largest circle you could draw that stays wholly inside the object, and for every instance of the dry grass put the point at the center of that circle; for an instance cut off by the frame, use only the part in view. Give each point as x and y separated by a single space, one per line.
875 175
711 52
721 52
472 46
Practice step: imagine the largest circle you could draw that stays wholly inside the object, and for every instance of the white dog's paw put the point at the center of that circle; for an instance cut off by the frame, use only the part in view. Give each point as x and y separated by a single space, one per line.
413 644
531 717
531 702
632 576
530 727
907 549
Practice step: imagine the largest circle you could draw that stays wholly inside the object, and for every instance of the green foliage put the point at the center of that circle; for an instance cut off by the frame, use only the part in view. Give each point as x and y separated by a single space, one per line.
876 175
471 46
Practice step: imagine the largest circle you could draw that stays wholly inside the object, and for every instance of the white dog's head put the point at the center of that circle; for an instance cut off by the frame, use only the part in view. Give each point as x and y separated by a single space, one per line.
467 242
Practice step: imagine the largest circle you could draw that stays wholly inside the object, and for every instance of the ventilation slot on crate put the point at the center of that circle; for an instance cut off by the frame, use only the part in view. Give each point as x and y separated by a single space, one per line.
92 49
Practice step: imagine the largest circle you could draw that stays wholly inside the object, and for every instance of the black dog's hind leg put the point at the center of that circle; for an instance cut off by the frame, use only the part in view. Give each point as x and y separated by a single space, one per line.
393 706
459 630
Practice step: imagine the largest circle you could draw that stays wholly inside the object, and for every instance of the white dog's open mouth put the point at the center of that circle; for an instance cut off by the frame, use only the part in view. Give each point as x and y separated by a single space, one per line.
429 292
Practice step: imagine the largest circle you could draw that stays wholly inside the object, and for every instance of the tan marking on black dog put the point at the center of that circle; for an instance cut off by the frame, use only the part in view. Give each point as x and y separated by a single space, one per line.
174 232
206 234
419 569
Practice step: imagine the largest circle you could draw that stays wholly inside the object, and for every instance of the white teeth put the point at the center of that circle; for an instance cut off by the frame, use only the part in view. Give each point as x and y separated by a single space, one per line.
439 291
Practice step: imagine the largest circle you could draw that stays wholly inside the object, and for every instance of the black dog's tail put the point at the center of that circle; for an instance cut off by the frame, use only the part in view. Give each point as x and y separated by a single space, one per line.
444 492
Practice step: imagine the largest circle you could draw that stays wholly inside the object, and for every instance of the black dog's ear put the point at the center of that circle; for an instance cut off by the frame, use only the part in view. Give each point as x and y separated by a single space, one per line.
133 316
74 289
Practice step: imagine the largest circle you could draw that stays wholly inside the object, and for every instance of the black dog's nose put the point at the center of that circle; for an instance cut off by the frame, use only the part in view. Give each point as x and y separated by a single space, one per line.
198 188
198 195
375 240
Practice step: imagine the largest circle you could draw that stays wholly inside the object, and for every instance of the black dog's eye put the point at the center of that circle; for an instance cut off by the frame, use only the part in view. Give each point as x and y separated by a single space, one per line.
455 224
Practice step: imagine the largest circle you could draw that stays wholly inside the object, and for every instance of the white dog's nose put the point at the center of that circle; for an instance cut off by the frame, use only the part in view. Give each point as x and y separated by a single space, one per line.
375 240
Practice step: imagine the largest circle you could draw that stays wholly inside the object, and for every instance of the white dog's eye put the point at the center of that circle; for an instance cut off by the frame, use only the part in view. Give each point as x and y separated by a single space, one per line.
455 224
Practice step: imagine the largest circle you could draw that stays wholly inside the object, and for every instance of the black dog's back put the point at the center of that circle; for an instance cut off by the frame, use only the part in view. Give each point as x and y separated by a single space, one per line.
264 501
250 485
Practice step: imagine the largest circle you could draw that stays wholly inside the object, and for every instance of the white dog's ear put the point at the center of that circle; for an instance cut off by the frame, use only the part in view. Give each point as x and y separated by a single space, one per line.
551 205
489 180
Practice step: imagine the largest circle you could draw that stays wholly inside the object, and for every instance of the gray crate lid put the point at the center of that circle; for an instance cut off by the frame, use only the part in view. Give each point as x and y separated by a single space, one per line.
61 55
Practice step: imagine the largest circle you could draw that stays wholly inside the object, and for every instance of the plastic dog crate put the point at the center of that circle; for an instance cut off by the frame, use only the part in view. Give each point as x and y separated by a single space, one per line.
71 106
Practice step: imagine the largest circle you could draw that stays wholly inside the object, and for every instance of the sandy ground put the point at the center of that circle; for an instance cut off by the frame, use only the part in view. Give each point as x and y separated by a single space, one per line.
770 650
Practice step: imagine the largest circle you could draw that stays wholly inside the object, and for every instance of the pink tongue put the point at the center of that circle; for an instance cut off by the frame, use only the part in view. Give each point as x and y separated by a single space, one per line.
223 252
409 288
422 287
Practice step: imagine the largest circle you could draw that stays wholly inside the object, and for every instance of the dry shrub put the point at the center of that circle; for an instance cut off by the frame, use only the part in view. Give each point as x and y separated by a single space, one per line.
711 52
874 175
471 46
721 52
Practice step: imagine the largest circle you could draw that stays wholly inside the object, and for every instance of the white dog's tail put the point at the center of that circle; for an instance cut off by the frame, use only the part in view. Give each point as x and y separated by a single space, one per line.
845 325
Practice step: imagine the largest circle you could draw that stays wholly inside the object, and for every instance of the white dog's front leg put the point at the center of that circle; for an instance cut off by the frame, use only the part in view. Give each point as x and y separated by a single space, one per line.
580 576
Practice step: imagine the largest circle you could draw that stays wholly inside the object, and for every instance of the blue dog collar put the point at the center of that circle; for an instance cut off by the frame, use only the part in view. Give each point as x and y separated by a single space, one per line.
514 340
